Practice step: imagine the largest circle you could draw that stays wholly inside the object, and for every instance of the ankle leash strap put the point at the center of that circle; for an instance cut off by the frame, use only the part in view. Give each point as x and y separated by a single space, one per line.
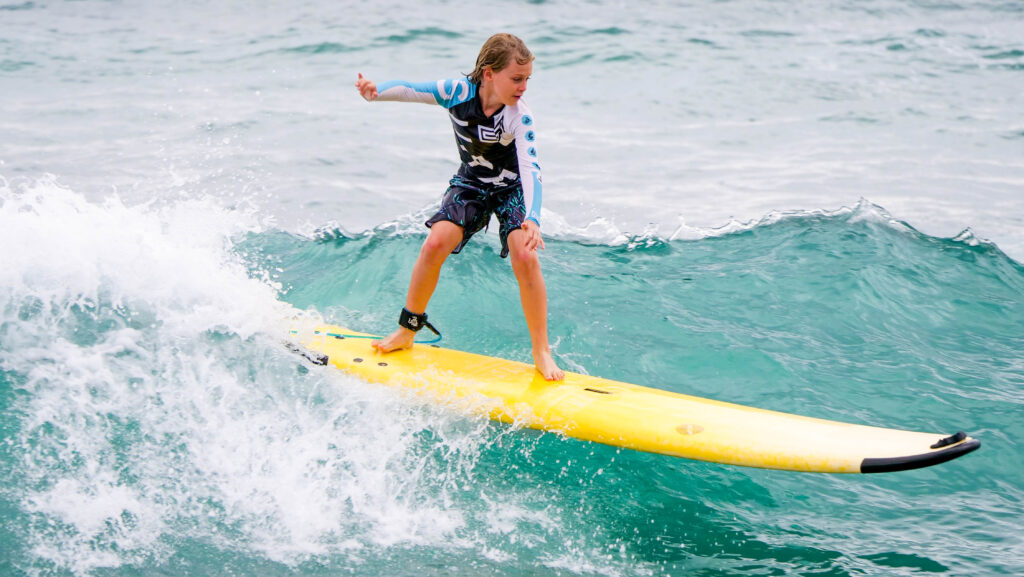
415 322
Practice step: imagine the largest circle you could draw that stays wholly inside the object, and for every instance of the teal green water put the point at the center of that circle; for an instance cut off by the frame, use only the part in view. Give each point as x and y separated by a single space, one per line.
163 168
154 425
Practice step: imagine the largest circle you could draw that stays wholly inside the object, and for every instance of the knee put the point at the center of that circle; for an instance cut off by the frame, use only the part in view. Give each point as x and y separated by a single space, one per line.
525 262
437 247
432 246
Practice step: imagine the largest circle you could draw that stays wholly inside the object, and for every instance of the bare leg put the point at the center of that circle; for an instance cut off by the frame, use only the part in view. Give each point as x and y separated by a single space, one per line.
443 238
534 297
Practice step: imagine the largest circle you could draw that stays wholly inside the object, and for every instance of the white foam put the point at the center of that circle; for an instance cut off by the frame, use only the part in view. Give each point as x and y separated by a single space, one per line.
606 232
174 257
160 406
97 507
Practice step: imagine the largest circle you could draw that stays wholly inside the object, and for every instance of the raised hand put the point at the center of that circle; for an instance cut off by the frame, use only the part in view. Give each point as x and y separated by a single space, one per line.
367 88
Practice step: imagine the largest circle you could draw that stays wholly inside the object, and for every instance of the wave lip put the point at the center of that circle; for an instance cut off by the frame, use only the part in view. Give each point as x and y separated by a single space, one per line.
175 257
604 231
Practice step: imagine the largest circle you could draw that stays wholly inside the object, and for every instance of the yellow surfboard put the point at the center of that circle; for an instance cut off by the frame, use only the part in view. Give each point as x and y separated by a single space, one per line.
631 416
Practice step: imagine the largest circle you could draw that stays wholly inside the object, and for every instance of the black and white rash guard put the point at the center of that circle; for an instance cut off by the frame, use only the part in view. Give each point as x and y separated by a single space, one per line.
497 151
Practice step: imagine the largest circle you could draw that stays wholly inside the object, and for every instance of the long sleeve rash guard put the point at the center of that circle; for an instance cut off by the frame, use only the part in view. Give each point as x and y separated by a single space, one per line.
497 151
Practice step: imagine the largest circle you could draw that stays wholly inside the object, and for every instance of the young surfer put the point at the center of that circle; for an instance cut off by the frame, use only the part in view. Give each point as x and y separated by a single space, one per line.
499 174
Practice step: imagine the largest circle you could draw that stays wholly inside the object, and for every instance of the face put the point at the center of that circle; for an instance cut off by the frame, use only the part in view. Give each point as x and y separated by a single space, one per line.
510 83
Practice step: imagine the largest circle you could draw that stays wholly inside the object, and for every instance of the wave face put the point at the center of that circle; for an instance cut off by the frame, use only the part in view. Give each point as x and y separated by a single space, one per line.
153 423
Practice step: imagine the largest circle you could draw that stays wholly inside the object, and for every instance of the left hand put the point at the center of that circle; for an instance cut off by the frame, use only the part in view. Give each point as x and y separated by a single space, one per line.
533 237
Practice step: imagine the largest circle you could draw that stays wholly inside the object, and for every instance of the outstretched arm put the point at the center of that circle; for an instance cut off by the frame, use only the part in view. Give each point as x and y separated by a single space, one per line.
446 93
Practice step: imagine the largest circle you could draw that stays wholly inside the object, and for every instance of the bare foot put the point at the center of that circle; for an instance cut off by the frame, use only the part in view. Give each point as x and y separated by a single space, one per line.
400 339
546 365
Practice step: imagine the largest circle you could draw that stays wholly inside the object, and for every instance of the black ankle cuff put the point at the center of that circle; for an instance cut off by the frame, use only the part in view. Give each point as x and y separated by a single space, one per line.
412 321
415 322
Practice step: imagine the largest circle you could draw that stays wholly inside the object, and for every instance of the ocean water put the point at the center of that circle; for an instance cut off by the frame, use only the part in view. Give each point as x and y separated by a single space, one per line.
809 207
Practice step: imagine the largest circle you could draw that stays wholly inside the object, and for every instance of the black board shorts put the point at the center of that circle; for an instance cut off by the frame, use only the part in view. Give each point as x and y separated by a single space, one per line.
470 207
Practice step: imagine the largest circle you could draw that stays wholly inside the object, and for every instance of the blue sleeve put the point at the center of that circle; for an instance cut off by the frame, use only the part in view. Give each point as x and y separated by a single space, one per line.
446 93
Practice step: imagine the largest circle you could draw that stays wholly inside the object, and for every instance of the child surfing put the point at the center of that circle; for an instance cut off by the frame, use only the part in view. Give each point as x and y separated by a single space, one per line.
499 175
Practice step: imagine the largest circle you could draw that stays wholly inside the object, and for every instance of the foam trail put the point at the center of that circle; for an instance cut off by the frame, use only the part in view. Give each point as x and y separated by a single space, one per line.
157 407
107 310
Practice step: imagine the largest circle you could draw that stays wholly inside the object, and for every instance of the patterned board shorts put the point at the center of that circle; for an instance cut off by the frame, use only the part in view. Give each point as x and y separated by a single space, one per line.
471 207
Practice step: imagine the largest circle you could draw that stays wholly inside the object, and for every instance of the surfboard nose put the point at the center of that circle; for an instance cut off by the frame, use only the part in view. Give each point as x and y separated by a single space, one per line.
946 449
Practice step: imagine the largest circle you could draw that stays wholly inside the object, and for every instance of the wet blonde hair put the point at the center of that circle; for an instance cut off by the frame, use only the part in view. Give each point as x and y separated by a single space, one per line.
497 54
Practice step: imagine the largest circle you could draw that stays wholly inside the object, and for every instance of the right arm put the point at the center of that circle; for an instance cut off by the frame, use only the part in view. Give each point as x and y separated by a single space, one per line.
445 93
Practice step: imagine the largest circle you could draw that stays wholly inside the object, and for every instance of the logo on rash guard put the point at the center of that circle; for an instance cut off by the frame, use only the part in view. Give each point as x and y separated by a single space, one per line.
488 134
